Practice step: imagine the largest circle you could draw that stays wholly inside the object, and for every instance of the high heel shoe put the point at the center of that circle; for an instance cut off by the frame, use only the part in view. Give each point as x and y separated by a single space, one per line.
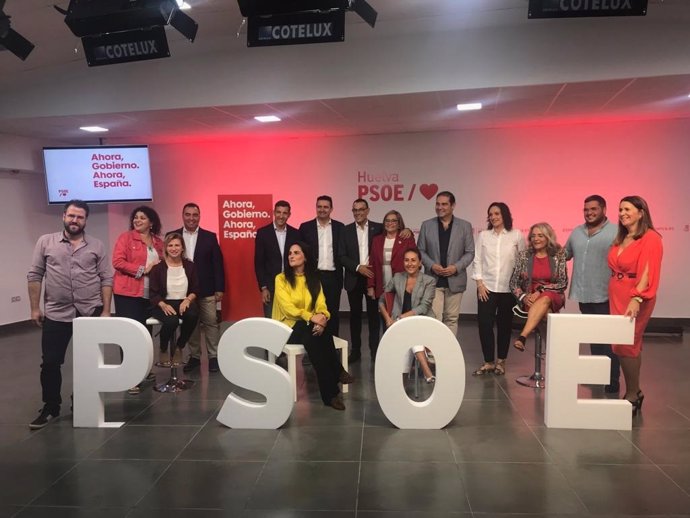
637 404
519 343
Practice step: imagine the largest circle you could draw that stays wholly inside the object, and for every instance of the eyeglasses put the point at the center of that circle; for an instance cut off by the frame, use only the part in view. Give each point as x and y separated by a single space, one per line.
390 220
359 210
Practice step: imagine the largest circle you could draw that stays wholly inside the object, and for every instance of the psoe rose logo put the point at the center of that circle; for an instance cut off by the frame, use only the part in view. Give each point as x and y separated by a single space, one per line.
389 187
63 193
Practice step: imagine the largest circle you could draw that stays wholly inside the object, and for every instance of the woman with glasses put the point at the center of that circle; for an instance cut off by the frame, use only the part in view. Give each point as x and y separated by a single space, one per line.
386 255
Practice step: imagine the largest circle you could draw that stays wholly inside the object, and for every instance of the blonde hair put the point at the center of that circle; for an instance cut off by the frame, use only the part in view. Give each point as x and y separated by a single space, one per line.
169 237
552 245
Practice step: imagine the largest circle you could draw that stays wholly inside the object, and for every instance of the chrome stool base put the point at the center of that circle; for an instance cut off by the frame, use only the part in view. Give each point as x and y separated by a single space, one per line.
537 379
174 384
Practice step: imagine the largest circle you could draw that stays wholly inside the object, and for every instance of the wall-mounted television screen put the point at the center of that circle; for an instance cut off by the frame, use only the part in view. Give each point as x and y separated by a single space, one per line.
98 174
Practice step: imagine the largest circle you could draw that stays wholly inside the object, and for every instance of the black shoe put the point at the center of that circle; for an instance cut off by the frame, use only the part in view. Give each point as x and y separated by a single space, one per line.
212 365
192 364
44 417
354 357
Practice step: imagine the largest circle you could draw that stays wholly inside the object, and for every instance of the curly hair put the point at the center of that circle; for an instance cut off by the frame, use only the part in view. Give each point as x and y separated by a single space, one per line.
149 213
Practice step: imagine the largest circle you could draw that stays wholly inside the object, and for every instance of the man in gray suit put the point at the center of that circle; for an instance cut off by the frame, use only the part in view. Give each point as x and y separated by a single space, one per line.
447 247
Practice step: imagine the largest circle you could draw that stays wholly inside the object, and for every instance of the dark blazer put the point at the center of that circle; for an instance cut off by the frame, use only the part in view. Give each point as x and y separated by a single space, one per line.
310 235
348 249
158 279
208 260
267 260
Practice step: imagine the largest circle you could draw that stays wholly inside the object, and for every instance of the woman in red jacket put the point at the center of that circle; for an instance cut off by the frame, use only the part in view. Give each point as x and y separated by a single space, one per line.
135 253
387 254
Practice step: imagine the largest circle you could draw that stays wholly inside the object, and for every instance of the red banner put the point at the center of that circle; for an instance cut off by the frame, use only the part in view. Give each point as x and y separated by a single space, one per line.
240 215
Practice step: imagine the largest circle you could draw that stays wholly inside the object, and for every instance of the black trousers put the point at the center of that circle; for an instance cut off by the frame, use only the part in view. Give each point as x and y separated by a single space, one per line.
497 309
602 308
169 323
55 338
332 285
136 308
268 308
354 297
323 357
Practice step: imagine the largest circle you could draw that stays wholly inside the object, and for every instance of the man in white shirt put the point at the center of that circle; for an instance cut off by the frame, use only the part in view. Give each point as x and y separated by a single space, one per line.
202 248
353 249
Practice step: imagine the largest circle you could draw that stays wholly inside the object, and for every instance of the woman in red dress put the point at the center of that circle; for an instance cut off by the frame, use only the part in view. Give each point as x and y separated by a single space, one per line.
635 262
539 279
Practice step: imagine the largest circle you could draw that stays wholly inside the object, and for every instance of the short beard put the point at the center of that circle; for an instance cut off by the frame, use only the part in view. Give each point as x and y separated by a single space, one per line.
595 223
70 232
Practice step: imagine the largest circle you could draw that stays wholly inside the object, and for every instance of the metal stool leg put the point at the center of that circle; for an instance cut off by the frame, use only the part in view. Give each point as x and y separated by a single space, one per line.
415 366
537 379
174 384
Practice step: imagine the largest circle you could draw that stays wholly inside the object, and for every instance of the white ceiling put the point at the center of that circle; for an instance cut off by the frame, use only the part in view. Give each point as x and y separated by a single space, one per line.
655 88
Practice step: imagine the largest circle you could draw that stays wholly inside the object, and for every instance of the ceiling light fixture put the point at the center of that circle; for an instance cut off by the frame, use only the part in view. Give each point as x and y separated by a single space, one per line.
469 107
93 129
267 118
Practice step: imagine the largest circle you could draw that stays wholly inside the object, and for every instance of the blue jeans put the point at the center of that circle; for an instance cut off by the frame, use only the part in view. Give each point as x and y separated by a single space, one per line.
602 308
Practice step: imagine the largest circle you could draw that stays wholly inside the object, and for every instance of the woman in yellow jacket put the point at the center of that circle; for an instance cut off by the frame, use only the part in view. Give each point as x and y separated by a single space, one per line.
299 303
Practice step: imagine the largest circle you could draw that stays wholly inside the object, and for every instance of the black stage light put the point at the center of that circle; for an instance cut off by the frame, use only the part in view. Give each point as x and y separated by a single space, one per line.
10 39
269 7
97 17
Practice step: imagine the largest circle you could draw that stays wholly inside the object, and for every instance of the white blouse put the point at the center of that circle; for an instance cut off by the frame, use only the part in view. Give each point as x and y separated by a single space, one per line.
177 283
494 258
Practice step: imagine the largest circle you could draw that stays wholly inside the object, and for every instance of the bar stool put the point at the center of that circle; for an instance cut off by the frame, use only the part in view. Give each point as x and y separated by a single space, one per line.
416 368
417 376
536 379
174 384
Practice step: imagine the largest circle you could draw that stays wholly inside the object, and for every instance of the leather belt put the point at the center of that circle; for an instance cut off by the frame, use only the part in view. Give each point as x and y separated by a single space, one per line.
621 275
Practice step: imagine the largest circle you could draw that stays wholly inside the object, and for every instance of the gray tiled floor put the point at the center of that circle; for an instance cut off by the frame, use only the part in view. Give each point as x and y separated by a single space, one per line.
495 459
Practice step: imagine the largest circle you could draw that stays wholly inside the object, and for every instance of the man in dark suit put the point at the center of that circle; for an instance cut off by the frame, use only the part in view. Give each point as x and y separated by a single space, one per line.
201 247
353 249
322 234
270 253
